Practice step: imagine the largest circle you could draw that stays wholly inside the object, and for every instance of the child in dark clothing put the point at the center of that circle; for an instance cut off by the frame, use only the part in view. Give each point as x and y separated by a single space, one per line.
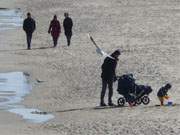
162 93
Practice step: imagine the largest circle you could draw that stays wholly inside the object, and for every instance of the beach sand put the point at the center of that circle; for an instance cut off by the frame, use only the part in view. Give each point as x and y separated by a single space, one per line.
148 33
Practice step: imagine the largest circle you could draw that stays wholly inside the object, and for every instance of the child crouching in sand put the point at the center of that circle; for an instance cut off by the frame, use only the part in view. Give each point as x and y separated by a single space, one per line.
162 93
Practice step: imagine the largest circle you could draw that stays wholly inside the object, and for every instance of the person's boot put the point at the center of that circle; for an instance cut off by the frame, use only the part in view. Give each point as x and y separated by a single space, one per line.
102 104
69 42
111 104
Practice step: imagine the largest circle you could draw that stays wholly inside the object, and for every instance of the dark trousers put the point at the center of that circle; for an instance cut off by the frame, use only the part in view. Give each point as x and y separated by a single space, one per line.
68 37
103 92
28 37
55 40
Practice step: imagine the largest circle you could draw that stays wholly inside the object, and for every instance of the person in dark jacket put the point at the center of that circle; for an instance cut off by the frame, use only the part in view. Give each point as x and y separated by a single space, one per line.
68 24
162 93
108 76
55 30
29 26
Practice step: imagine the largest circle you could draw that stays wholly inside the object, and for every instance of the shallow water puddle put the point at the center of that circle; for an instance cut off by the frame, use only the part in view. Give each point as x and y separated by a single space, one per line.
10 18
32 115
13 87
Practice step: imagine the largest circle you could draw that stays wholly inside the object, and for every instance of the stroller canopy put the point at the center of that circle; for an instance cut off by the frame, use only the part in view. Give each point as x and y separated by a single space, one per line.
126 84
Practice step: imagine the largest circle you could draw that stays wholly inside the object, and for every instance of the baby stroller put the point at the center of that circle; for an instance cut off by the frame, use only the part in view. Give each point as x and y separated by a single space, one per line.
132 93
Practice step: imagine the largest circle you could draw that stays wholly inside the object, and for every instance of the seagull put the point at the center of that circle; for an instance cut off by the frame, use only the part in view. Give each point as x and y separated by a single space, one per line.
98 49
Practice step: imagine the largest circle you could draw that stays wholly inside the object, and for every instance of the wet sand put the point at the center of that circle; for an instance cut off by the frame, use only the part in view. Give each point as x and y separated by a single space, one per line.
147 32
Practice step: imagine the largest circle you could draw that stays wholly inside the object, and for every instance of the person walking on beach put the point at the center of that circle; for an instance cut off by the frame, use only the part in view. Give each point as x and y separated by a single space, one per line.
109 76
68 24
55 30
29 26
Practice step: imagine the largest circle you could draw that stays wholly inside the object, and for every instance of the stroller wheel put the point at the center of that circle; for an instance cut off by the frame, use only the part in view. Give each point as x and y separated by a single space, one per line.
145 100
139 101
121 101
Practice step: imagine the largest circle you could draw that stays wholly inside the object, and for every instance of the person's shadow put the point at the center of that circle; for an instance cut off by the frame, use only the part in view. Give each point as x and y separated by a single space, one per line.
90 108
38 48
42 48
8 50
109 107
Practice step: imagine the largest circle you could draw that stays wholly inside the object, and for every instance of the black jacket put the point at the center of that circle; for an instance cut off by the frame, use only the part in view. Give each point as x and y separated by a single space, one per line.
108 69
29 25
68 24
162 92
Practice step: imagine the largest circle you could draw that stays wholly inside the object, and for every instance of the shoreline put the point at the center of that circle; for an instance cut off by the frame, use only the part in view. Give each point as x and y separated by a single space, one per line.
13 88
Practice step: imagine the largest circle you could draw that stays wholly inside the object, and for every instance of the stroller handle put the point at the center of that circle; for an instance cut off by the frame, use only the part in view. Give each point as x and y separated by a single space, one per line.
131 75
117 78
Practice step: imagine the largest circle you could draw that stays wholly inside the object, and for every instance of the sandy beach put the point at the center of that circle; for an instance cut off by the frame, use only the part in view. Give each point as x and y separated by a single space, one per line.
146 31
